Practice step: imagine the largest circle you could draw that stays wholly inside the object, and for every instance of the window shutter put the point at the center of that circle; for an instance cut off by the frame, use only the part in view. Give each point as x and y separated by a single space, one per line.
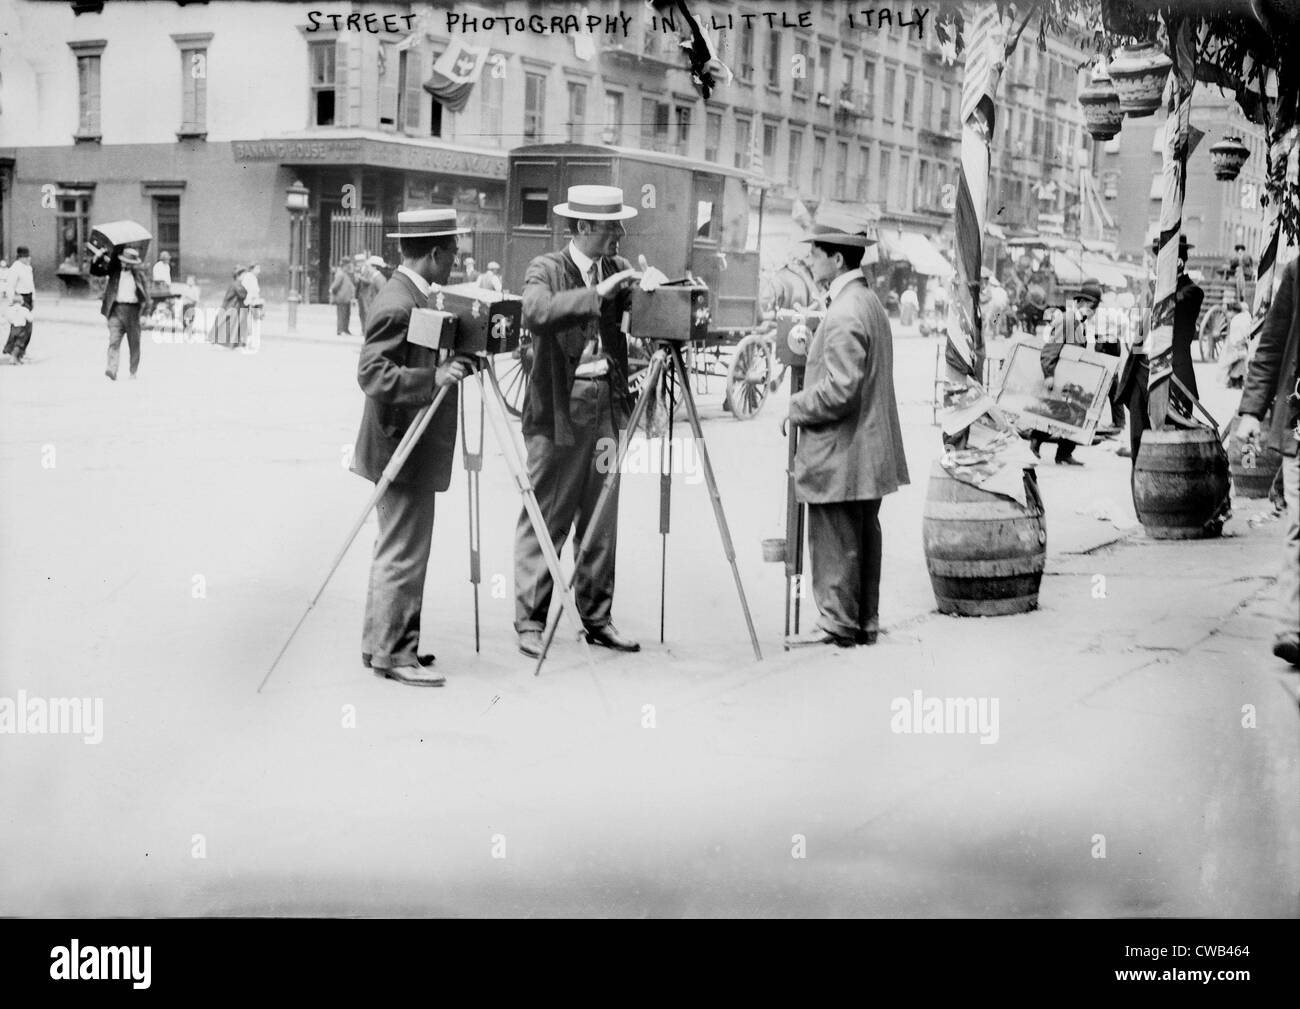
200 114
388 86
189 91
414 74
341 96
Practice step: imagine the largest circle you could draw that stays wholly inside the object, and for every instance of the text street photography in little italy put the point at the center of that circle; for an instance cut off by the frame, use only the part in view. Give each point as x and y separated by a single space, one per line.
649 458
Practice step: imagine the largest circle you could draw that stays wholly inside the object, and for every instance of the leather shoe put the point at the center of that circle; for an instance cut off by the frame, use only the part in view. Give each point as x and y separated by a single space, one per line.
530 643
424 660
867 637
1068 461
608 637
1288 647
818 637
412 676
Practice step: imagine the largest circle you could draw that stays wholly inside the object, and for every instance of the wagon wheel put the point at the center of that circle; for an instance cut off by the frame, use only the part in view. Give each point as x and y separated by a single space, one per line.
1213 331
749 377
513 370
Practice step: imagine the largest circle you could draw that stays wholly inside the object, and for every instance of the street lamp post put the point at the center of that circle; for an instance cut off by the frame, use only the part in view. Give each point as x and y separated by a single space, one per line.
296 201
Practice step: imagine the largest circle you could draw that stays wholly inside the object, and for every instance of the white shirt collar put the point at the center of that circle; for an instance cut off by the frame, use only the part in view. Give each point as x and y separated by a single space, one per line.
583 261
839 283
422 285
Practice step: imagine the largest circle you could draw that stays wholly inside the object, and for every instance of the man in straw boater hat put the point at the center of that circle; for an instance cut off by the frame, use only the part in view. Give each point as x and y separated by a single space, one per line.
850 452
398 379
126 296
574 302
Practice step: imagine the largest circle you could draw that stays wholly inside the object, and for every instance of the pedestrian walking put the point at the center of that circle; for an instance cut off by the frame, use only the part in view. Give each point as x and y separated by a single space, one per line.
908 306
343 291
22 286
577 400
850 452
6 296
1068 329
126 298
398 379
230 327
254 305
1273 385
490 279
162 272
379 274
361 281
471 270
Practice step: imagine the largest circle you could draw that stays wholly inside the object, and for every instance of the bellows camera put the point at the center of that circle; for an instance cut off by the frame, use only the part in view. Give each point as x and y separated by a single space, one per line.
467 319
794 332
676 312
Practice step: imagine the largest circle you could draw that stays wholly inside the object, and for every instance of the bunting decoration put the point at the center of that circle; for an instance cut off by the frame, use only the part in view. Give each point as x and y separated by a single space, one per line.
455 73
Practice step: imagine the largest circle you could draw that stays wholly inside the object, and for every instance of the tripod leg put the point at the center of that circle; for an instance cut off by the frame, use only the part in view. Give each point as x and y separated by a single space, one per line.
520 473
794 516
653 374
727 547
473 468
395 464
665 510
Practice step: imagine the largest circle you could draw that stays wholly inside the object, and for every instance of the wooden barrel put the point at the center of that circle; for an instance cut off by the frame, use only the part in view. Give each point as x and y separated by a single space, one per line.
1251 481
1181 484
984 552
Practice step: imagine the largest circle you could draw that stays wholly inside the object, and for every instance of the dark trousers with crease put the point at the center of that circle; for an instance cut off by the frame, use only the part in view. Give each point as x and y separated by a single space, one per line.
844 542
1112 349
391 634
567 481
20 336
124 320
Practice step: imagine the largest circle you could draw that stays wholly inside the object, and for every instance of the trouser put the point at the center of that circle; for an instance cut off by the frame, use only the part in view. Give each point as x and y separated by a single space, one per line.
844 544
1288 579
344 309
1064 447
362 312
391 633
20 336
124 320
1138 418
1116 400
568 480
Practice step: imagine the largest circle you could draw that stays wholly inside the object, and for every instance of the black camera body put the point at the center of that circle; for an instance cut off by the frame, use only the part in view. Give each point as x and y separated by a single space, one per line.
467 319
675 312
794 332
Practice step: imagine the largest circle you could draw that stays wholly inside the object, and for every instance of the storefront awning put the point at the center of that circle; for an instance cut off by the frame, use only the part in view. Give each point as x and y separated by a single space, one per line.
1068 270
1104 271
916 249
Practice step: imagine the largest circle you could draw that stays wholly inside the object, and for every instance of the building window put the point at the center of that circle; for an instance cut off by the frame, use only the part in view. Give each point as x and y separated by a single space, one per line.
534 107
535 207
824 72
905 182
868 88
88 94
72 221
772 59
746 69
612 133
864 172
803 60
769 144
841 170
883 194
927 105
744 138
923 182
1036 147
390 93
654 125
408 90
194 84
795 157
909 97
490 106
891 91
683 119
819 160
712 136
324 82
946 123
167 230
577 121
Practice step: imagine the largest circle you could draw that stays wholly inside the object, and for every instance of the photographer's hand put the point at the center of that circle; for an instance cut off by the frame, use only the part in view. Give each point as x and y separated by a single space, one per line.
616 282
1248 429
455 370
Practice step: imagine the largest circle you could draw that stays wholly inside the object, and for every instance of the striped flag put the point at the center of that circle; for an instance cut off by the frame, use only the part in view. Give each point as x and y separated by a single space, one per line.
455 73
984 64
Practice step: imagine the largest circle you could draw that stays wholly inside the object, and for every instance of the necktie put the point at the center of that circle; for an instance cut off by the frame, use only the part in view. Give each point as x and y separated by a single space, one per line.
594 346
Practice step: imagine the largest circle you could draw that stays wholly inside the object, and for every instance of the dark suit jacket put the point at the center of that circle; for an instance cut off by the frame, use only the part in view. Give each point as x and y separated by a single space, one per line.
110 291
562 313
1066 329
398 378
851 448
1274 369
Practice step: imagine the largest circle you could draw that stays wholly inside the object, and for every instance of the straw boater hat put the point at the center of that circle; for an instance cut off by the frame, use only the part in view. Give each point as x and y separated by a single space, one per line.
376 261
824 235
435 222
1089 290
595 203
130 256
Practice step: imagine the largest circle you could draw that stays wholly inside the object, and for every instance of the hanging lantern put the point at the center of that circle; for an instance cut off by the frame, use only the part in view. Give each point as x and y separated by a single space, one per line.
1139 73
1229 154
1100 104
